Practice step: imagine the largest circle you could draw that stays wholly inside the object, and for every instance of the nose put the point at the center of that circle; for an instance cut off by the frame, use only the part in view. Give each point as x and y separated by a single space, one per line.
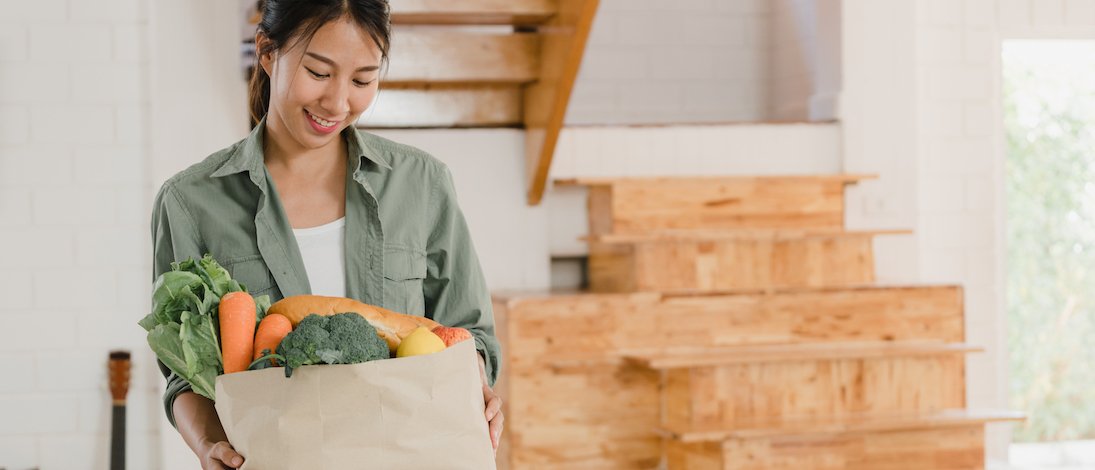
336 99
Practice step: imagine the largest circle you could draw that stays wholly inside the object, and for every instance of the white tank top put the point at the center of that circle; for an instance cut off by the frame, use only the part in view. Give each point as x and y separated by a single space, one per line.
323 249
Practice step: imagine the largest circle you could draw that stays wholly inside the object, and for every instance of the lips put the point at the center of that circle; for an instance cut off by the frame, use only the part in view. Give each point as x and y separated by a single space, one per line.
321 121
321 125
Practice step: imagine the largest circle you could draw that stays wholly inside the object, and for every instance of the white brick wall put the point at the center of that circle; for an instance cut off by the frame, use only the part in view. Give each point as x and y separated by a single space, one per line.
72 214
674 61
703 61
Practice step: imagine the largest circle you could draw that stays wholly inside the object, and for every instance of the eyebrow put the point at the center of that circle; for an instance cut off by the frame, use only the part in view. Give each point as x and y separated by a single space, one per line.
367 68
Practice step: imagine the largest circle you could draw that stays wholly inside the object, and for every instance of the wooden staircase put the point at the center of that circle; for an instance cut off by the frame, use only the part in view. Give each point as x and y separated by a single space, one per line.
485 63
733 323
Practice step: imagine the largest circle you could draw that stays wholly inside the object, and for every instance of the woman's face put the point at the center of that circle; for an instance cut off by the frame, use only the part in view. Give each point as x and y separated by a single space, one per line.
320 87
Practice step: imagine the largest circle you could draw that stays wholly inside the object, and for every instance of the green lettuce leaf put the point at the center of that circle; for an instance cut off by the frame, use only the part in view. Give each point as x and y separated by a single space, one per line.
262 304
165 342
171 294
201 351
218 278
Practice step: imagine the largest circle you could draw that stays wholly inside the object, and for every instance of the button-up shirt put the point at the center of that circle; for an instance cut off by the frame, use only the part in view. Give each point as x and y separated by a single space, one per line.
408 248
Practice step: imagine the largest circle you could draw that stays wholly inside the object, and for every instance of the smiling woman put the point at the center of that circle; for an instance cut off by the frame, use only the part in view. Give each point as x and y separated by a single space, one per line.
310 204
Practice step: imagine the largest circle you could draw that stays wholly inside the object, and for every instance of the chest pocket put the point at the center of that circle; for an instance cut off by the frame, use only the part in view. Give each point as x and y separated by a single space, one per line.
404 271
251 271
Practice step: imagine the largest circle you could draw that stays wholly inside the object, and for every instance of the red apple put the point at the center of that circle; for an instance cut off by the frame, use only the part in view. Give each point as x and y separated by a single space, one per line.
451 335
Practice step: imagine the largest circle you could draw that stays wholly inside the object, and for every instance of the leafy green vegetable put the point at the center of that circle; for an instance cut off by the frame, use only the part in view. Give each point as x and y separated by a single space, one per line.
163 340
262 304
183 326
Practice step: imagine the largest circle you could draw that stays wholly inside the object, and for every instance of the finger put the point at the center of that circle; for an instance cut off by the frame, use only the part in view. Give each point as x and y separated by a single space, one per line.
494 406
496 430
225 453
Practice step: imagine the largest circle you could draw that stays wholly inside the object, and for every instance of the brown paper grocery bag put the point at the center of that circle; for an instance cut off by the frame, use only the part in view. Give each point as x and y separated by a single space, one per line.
421 412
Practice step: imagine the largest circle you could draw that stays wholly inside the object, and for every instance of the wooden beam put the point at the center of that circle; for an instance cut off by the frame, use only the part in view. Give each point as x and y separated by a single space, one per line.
421 56
472 12
455 105
564 43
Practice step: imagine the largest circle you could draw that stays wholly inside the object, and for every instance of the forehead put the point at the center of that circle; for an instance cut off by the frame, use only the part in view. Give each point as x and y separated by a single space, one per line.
345 42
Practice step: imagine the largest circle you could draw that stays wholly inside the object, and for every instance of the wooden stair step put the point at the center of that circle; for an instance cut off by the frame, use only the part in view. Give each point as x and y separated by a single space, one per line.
845 178
445 105
848 425
473 12
676 236
691 358
644 205
448 55
720 260
581 326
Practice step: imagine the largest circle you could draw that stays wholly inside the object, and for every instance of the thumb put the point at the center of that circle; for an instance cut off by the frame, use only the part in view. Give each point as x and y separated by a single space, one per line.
224 452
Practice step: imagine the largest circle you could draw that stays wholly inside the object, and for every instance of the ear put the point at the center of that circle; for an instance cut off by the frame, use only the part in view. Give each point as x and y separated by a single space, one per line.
266 60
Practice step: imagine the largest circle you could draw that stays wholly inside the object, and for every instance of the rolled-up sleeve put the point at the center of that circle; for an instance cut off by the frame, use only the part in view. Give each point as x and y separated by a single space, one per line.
174 238
455 289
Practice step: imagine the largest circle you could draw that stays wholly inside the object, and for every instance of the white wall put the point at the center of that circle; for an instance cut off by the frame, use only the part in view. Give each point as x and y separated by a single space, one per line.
658 61
73 99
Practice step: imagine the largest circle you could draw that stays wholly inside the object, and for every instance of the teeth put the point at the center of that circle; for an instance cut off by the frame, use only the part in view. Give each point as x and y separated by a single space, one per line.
321 121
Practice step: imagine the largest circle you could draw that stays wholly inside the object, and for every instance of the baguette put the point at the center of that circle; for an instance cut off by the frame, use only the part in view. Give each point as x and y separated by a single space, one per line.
391 326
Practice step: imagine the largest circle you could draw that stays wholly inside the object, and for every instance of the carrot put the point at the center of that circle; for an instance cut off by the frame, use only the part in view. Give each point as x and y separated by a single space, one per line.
237 319
272 330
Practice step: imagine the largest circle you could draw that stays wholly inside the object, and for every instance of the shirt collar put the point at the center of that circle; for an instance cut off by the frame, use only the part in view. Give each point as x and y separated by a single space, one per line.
248 154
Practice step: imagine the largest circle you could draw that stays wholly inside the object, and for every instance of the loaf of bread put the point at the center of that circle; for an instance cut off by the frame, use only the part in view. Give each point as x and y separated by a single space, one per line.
391 326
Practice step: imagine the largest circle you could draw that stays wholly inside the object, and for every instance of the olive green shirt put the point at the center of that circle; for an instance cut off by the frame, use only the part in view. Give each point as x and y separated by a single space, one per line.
408 248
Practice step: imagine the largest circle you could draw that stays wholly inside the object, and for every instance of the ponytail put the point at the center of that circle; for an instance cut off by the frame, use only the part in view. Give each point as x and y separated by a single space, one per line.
258 93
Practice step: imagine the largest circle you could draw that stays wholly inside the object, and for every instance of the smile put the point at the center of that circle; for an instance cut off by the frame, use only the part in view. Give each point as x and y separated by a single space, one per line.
322 122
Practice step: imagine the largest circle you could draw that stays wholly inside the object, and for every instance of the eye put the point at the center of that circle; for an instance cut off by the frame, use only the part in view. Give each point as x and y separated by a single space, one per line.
361 84
314 74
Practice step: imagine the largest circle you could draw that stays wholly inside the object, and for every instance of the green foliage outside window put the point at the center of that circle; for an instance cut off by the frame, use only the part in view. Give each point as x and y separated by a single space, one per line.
1049 123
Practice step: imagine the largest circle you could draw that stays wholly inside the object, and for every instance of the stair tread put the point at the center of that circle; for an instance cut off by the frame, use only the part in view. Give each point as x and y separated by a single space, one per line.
738 234
847 178
520 295
472 12
440 56
845 425
748 354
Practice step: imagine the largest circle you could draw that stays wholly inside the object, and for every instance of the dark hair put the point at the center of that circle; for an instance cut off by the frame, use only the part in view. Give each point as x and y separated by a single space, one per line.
287 22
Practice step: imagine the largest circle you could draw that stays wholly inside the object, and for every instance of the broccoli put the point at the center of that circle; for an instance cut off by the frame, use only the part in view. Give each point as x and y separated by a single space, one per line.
342 338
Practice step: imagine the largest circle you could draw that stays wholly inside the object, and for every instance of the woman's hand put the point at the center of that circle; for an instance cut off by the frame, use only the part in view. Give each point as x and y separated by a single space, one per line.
219 456
493 405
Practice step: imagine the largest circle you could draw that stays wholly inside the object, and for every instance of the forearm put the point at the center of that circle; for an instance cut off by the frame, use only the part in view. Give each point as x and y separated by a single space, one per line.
197 421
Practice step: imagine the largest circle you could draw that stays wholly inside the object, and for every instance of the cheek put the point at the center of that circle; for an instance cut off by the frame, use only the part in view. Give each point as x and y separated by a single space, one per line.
363 99
306 91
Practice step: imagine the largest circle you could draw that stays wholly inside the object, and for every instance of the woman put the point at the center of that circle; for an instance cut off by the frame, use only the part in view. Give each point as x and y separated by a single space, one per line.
308 204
